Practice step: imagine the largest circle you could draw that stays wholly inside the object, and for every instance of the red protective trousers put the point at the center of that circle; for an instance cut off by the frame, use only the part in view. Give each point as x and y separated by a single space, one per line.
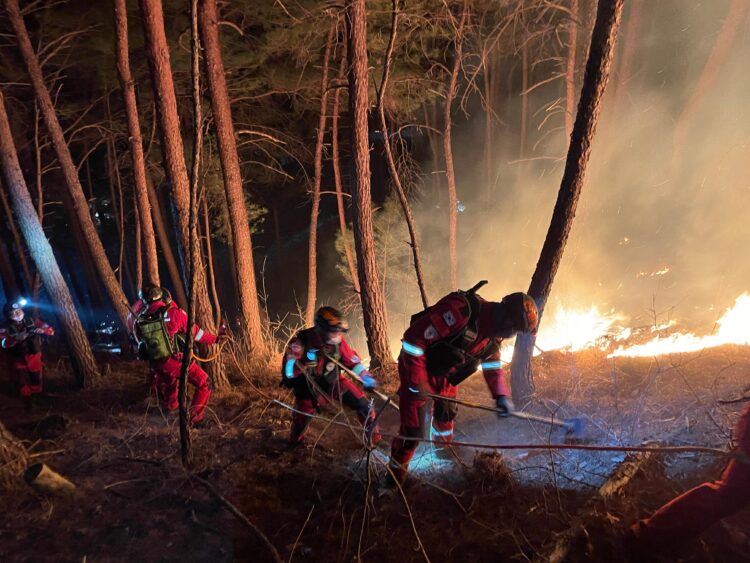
28 374
692 512
167 380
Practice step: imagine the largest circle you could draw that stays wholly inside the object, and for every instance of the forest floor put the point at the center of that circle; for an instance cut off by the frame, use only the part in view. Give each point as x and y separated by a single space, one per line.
327 502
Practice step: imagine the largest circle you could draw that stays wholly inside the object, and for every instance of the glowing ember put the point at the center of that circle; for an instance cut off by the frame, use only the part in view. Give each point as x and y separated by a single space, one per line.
656 274
733 328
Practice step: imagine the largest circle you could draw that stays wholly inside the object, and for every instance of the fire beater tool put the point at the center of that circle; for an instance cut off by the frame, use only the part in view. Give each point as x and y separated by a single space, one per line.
357 378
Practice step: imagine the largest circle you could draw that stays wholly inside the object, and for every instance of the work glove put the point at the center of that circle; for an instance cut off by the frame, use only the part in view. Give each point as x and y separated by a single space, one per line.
368 381
504 406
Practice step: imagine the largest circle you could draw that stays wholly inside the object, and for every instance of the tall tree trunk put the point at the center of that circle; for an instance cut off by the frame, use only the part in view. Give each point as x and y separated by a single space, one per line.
157 218
392 163
20 251
174 161
594 82
13 460
239 225
80 205
524 98
629 44
41 253
736 16
336 162
7 275
450 173
138 244
371 294
114 195
136 144
210 262
312 250
570 69
489 84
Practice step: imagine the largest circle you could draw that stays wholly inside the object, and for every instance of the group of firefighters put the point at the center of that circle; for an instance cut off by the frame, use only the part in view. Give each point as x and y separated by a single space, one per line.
443 345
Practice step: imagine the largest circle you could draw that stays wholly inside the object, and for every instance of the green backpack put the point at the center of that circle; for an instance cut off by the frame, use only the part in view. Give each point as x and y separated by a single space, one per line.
154 342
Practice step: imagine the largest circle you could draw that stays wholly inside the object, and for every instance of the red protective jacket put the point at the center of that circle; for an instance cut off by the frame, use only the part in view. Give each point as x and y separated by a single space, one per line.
22 339
306 351
446 319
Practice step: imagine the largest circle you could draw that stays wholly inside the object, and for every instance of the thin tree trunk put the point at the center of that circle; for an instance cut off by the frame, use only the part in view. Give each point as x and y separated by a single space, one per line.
136 144
736 16
13 460
115 201
630 42
336 162
570 70
174 161
157 218
489 85
7 275
312 250
450 173
594 83
138 244
20 251
392 164
41 253
39 194
371 294
80 205
239 225
210 262
524 97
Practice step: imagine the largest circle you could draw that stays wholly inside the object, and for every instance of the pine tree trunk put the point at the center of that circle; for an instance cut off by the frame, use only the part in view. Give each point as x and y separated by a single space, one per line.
570 69
174 162
371 294
8 277
80 204
13 459
392 164
136 145
239 225
336 162
157 218
450 173
41 253
489 83
594 82
210 262
524 99
629 44
138 230
312 251
20 251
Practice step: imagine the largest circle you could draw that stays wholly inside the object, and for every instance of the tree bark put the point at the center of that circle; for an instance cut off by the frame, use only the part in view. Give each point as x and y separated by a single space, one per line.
392 164
138 245
44 259
336 162
210 261
450 173
570 69
524 98
371 294
13 458
174 161
7 275
80 205
136 145
595 80
312 251
239 225
20 251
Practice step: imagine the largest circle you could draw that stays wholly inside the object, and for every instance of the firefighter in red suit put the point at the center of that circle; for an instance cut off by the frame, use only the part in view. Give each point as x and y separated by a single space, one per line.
310 370
444 345
21 337
161 331
686 516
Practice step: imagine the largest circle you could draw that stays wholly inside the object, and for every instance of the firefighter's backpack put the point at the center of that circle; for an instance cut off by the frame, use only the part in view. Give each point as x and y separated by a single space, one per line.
154 342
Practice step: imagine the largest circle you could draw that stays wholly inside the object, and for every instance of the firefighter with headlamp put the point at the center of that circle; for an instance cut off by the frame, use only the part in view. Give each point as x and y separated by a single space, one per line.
444 345
21 337
310 369
160 330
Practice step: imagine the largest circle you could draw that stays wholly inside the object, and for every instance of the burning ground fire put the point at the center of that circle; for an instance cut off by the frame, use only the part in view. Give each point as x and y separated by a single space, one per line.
572 330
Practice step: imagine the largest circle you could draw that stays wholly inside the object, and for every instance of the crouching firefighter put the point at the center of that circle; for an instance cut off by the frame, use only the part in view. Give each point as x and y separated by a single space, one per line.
21 337
445 344
161 330
310 369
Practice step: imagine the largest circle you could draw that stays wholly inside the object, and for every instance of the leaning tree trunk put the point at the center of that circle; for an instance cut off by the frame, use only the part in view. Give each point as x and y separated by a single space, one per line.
242 243
336 164
13 459
450 173
41 253
371 290
174 162
594 82
570 69
392 163
136 145
312 251
80 204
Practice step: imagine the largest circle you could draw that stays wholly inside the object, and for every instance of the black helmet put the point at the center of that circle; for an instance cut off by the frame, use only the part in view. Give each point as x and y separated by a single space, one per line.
151 293
328 319
522 311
